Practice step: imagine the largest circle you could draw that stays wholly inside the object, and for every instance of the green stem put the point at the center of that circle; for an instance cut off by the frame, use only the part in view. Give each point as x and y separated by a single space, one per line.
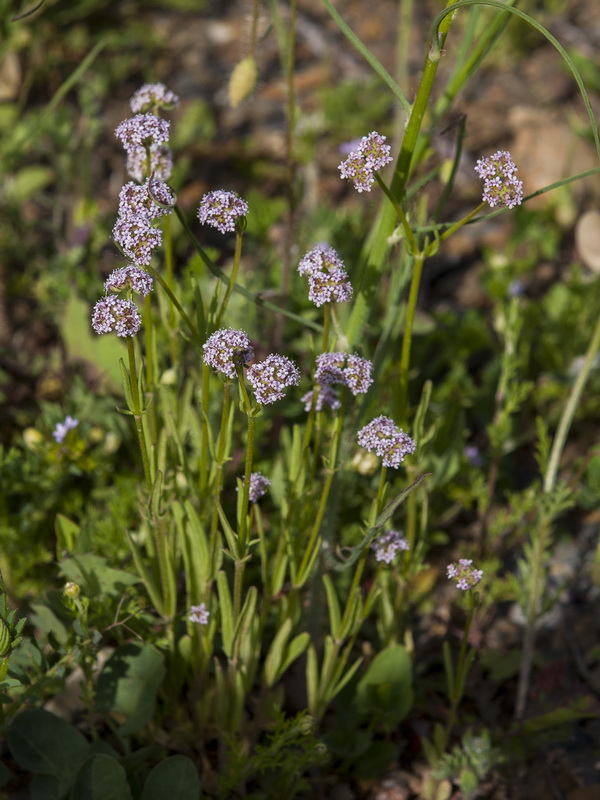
567 416
331 470
218 481
410 237
137 411
407 339
232 278
189 324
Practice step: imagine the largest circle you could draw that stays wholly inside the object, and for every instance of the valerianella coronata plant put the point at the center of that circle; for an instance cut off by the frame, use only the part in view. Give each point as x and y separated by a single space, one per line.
371 155
156 160
143 131
199 614
227 349
388 545
131 277
137 238
384 438
500 186
152 199
464 574
328 280
62 428
222 210
325 396
153 97
269 378
259 484
114 314
350 370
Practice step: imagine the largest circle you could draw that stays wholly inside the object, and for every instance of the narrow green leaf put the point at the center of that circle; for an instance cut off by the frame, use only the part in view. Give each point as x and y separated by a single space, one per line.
335 618
226 609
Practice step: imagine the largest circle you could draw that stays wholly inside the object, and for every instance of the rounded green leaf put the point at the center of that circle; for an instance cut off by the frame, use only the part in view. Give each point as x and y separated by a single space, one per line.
101 777
129 682
175 777
43 743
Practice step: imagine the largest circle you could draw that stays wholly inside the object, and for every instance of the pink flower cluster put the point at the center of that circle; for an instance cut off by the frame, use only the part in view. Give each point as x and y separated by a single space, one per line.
500 185
327 277
384 438
371 155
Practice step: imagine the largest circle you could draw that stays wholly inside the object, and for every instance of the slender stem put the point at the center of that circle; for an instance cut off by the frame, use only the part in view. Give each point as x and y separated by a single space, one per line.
189 324
331 469
218 481
150 368
457 225
254 30
232 278
407 339
567 416
410 237
137 410
537 580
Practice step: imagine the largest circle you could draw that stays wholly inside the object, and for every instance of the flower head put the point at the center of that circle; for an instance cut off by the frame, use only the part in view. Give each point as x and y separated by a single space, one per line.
388 544
221 210
155 161
227 349
199 614
270 377
136 238
327 277
349 370
152 199
465 575
152 97
62 428
143 130
114 314
130 277
326 396
500 185
385 439
371 155
259 484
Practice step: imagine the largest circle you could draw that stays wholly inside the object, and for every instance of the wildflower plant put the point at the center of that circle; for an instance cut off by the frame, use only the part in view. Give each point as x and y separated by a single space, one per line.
246 573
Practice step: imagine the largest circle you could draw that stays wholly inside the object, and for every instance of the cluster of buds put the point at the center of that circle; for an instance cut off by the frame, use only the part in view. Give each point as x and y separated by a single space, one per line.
388 545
